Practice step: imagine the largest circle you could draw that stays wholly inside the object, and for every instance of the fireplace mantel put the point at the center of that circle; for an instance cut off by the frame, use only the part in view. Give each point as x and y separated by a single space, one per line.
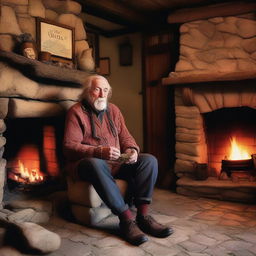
213 78
38 70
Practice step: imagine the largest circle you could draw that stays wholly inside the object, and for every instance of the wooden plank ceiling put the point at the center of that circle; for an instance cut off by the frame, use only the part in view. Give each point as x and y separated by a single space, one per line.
140 15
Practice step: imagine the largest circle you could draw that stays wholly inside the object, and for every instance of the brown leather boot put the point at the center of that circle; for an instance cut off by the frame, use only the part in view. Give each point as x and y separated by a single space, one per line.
150 226
131 233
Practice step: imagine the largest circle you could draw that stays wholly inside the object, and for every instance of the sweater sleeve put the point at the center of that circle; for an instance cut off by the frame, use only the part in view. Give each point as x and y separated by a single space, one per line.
73 146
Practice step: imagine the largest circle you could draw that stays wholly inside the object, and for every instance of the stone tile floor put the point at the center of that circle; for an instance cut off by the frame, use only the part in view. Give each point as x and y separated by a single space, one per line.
202 227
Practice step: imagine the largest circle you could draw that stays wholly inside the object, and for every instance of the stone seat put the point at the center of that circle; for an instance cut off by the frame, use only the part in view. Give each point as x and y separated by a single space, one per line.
86 205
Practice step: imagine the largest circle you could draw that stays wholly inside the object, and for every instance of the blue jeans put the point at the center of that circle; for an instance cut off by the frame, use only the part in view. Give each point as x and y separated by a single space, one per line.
141 177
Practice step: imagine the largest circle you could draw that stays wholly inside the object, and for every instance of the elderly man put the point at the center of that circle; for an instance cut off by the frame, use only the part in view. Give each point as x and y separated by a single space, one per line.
99 148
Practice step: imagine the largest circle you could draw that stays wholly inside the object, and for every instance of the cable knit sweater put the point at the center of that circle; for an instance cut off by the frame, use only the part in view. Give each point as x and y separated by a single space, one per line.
79 141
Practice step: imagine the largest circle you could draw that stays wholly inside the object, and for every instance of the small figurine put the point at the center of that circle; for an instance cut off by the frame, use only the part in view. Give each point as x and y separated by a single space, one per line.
27 45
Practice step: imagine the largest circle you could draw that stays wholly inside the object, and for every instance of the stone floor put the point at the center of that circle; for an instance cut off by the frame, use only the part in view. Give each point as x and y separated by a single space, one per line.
201 226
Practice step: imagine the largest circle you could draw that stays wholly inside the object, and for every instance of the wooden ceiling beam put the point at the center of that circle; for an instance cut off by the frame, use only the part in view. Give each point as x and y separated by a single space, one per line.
210 11
110 33
114 11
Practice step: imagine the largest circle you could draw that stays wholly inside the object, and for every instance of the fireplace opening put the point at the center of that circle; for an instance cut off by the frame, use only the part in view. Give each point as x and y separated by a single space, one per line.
231 143
34 153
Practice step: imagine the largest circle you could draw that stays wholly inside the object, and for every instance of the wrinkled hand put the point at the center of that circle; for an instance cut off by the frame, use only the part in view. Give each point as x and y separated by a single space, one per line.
133 156
110 153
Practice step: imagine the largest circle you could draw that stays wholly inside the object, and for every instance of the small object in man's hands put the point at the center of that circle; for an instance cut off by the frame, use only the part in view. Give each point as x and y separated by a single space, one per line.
124 157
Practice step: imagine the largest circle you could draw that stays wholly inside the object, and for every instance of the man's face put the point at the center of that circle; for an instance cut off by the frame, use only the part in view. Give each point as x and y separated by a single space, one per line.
98 94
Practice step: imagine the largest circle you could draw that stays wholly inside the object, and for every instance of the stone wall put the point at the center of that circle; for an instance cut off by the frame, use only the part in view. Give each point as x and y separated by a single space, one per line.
19 16
220 44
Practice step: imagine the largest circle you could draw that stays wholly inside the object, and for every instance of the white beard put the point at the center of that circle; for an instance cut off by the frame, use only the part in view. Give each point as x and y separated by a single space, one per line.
100 104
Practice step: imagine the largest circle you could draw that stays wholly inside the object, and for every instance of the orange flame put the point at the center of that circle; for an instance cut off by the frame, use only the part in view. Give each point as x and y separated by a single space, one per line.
32 176
237 152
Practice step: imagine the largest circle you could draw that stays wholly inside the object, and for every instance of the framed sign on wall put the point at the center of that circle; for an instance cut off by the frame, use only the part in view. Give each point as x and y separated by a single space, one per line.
104 66
57 39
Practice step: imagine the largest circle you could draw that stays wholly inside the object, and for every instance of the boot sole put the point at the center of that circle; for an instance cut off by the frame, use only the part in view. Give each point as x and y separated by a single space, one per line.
138 241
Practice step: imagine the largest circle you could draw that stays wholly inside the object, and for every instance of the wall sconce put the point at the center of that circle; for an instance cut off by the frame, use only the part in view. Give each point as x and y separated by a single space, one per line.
125 53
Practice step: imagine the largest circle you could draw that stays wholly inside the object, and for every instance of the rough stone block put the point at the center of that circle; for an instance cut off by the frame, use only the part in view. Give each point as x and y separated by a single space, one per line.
9 251
37 205
183 65
188 148
85 60
80 46
8 21
2 126
70 7
183 137
187 157
188 39
90 216
40 217
14 82
207 28
36 8
23 108
21 9
2 141
83 193
6 43
188 123
231 99
28 25
2 179
1 152
188 112
3 108
50 14
37 238
249 45
75 22
21 216
246 28
184 166
246 65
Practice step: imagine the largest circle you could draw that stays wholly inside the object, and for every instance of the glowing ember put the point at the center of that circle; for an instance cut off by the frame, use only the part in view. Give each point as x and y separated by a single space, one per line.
237 152
31 176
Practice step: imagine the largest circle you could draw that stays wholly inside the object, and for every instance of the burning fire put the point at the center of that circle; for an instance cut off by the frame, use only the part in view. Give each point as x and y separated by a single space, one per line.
237 152
28 175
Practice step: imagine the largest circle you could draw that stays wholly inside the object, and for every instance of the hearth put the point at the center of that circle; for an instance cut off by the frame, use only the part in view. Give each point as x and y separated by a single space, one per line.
34 153
230 139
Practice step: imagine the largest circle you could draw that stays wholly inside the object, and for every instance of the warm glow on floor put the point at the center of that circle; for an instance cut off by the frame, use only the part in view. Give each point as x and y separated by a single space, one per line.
237 152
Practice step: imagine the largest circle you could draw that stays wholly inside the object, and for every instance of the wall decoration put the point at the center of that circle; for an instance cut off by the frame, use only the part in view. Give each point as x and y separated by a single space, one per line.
57 39
125 54
104 66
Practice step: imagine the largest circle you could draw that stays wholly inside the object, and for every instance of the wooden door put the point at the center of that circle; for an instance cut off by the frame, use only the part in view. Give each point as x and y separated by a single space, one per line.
159 58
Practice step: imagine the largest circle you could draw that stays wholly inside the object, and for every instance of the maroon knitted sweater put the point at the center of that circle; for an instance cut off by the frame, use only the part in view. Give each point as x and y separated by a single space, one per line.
79 141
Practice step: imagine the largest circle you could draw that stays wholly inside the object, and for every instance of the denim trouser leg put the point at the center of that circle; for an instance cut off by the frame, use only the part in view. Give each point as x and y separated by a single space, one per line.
97 172
142 175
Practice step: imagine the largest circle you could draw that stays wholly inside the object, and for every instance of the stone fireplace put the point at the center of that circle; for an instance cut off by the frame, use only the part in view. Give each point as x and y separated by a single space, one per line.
34 90
214 91
34 97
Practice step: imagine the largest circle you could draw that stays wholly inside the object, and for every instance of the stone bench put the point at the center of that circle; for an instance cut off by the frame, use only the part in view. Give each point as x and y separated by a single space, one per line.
86 205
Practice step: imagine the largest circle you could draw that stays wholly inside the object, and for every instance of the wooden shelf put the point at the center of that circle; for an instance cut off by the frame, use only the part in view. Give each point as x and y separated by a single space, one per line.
177 79
35 69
